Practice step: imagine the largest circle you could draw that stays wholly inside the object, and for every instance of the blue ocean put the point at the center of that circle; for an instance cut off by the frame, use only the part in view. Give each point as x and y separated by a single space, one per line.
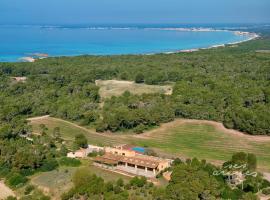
27 40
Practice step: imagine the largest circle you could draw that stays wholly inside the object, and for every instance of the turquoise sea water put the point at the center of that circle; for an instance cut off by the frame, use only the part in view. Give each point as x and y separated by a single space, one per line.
23 41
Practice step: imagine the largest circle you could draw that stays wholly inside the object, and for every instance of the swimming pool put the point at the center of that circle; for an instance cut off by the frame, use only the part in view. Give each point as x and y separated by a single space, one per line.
139 149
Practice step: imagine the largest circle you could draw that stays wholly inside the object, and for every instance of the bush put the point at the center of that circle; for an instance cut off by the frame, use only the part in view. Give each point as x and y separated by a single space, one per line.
49 165
29 189
139 129
71 162
138 182
266 191
81 141
15 180
11 198
265 183
139 78
101 126
4 171
150 152
120 182
96 153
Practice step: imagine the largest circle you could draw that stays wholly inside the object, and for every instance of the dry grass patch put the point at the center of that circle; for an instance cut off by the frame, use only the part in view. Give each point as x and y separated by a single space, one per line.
109 88
5 191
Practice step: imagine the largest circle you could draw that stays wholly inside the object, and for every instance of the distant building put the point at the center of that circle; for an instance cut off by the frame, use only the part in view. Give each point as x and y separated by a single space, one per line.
19 79
235 178
118 158
82 153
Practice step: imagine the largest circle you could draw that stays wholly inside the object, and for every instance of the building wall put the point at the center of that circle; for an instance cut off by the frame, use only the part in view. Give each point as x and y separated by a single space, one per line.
163 165
119 151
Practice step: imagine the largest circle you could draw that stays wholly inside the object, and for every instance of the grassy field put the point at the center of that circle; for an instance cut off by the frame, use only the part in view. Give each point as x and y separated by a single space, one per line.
184 138
56 182
109 88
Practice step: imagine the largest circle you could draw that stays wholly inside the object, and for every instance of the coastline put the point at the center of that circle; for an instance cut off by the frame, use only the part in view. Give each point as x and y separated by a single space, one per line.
250 36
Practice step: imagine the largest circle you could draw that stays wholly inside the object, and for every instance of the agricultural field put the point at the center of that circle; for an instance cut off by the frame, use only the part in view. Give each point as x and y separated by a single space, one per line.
56 182
109 88
183 138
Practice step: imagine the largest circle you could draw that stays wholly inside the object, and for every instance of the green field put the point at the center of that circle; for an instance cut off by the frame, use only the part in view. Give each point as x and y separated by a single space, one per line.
189 139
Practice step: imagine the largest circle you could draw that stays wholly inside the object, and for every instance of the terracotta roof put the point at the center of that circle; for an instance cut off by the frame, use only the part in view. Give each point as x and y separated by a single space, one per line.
141 161
108 158
135 160
104 160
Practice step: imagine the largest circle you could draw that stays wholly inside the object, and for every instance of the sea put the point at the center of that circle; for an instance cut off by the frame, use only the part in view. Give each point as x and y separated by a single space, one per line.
20 41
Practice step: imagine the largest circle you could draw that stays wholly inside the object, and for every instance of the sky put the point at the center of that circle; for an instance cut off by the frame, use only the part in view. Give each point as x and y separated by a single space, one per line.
133 11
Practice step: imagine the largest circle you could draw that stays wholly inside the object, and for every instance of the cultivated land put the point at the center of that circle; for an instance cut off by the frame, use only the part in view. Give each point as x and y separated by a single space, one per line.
183 138
56 182
109 88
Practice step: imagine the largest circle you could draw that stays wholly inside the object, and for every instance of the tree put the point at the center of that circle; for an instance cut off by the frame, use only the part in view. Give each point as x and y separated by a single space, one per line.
120 182
252 162
81 141
43 128
139 78
192 182
56 133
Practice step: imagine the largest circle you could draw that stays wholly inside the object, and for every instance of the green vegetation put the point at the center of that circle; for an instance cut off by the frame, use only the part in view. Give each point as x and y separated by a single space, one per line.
230 85
80 141
71 162
192 179
192 139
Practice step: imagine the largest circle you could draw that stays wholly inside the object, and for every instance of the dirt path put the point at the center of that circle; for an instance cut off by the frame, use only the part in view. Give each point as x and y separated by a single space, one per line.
267 176
218 126
164 128
75 125
5 191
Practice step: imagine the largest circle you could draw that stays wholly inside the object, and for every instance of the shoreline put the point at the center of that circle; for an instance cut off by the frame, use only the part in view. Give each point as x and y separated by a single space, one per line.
251 36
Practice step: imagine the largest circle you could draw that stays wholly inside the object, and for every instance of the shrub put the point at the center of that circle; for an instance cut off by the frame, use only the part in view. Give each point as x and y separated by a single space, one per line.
29 189
120 182
96 153
16 180
150 152
71 162
49 165
139 78
266 191
101 126
265 183
11 198
117 189
81 141
138 182
109 186
4 171
139 129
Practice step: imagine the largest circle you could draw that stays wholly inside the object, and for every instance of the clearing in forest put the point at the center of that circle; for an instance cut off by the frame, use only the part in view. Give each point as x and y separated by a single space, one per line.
184 138
109 88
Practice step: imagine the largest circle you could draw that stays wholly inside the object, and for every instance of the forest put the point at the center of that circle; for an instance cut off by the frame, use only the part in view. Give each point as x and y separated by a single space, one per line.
229 85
